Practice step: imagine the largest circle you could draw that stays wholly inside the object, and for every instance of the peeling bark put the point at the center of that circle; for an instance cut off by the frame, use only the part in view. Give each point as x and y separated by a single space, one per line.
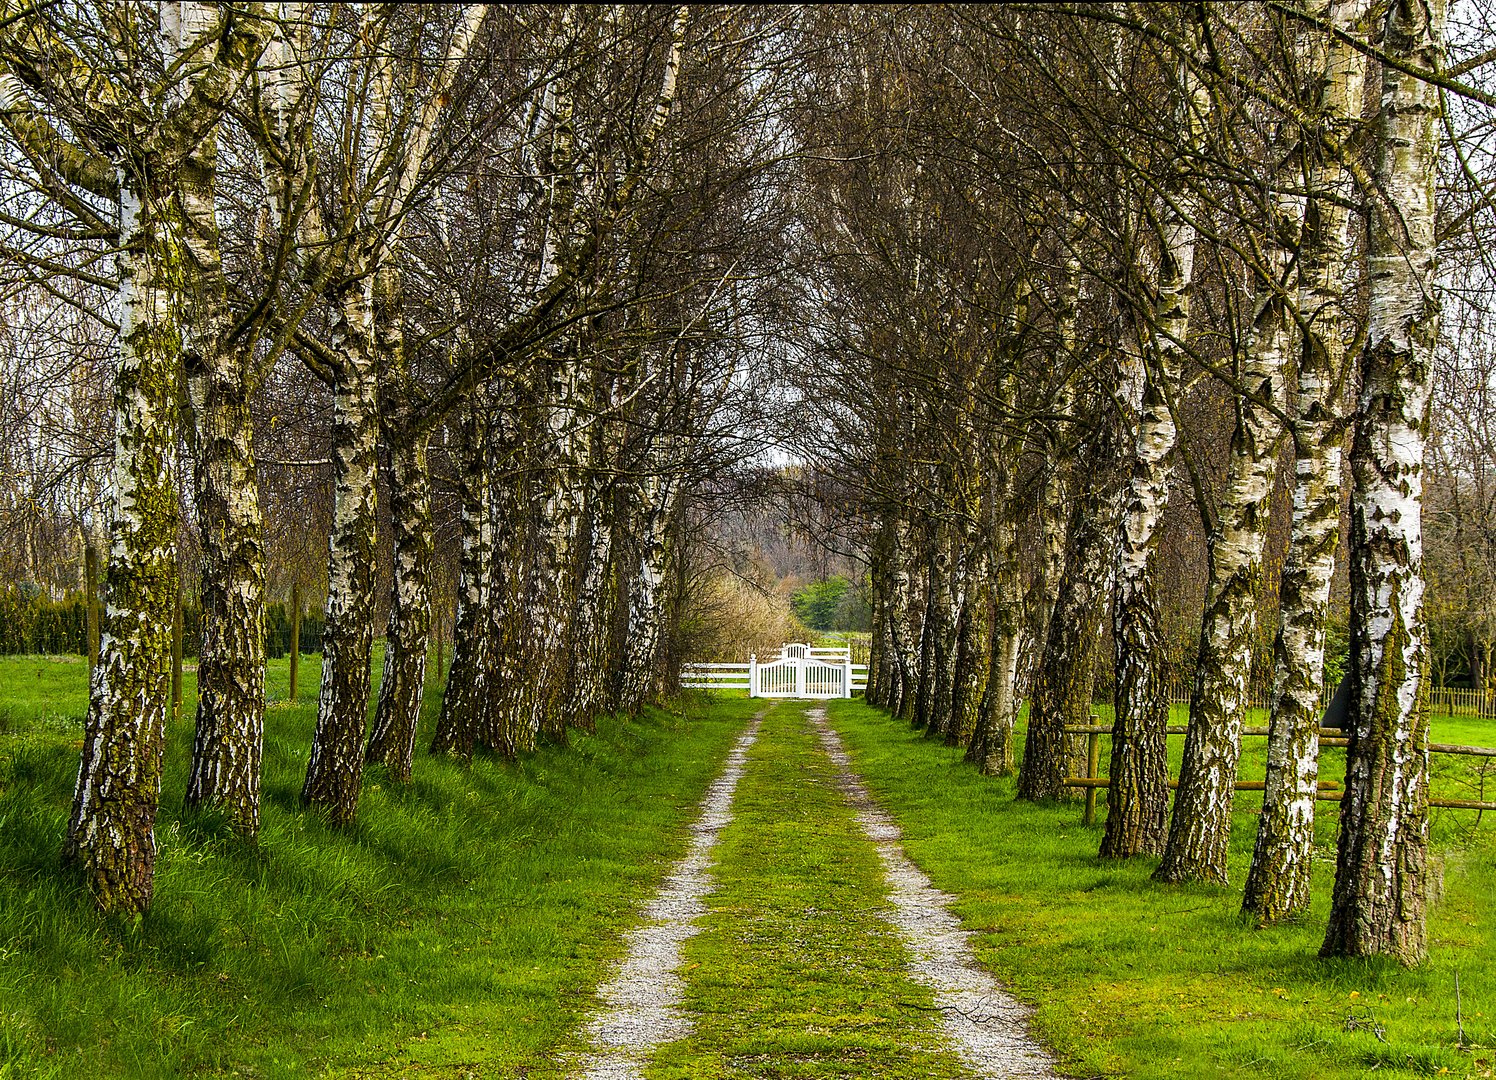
456 731
1278 882
335 769
992 747
407 635
111 831
392 740
1138 796
1067 668
586 686
1200 829
655 499
1382 875
225 770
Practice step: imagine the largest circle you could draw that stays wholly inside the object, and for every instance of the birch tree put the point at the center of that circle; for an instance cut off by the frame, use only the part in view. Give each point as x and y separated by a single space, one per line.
1200 827
125 137
1137 797
1278 882
1381 875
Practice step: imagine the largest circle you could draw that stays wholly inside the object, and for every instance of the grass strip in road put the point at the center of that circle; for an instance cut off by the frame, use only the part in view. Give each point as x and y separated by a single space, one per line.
1137 979
797 973
454 931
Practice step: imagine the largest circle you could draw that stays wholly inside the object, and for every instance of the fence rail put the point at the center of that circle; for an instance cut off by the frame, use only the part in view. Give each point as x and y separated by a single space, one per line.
1444 700
1328 791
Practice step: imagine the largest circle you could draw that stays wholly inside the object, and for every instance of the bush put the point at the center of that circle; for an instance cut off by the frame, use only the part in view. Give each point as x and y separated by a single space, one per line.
728 619
31 623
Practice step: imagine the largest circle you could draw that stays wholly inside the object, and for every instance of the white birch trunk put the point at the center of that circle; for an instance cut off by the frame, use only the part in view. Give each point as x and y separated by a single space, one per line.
225 768
1381 876
111 831
1200 829
1277 885
1137 798
456 724
335 768
655 499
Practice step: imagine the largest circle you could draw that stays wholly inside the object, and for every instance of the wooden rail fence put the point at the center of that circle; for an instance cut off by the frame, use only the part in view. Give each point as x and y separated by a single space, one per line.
1442 700
1329 791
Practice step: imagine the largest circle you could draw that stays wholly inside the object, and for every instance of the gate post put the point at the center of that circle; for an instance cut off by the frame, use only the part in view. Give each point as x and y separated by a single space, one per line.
800 677
847 675
752 674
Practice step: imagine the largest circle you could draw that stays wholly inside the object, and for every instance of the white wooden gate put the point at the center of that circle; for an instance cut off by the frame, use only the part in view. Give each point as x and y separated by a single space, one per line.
800 671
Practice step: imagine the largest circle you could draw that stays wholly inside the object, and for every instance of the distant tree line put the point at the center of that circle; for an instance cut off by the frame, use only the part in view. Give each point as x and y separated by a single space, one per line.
833 603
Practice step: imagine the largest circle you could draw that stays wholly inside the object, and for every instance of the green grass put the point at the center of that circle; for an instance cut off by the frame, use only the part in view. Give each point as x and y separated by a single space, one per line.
456 930
796 972
1136 979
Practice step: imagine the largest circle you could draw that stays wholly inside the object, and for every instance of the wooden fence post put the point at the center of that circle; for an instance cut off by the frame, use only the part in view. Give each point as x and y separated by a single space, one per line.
1093 767
295 638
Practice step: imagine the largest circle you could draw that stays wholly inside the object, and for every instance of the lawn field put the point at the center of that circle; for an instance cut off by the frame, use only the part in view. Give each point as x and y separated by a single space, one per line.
459 929
455 931
1136 979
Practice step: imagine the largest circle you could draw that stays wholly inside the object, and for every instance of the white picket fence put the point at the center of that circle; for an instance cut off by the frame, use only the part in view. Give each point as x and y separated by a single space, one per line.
799 671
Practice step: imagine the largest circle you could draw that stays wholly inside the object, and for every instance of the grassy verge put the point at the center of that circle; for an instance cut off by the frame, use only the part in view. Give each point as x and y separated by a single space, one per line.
1141 980
796 973
454 931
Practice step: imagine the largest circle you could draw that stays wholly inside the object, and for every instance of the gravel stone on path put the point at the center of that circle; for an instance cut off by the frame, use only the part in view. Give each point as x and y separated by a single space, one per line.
642 1000
987 1027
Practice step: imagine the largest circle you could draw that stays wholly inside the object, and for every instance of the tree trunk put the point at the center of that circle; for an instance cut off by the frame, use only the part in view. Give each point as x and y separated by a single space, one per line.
1200 829
1381 873
393 739
1067 669
1278 882
1054 496
655 497
948 643
585 688
1137 798
900 606
973 644
551 605
225 769
456 723
91 604
176 659
335 771
500 725
111 830
226 752
295 672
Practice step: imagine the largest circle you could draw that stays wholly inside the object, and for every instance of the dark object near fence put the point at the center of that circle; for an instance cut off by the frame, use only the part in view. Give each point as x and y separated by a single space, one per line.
1340 706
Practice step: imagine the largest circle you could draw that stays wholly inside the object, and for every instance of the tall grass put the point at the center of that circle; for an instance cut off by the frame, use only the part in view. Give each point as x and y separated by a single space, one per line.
456 927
